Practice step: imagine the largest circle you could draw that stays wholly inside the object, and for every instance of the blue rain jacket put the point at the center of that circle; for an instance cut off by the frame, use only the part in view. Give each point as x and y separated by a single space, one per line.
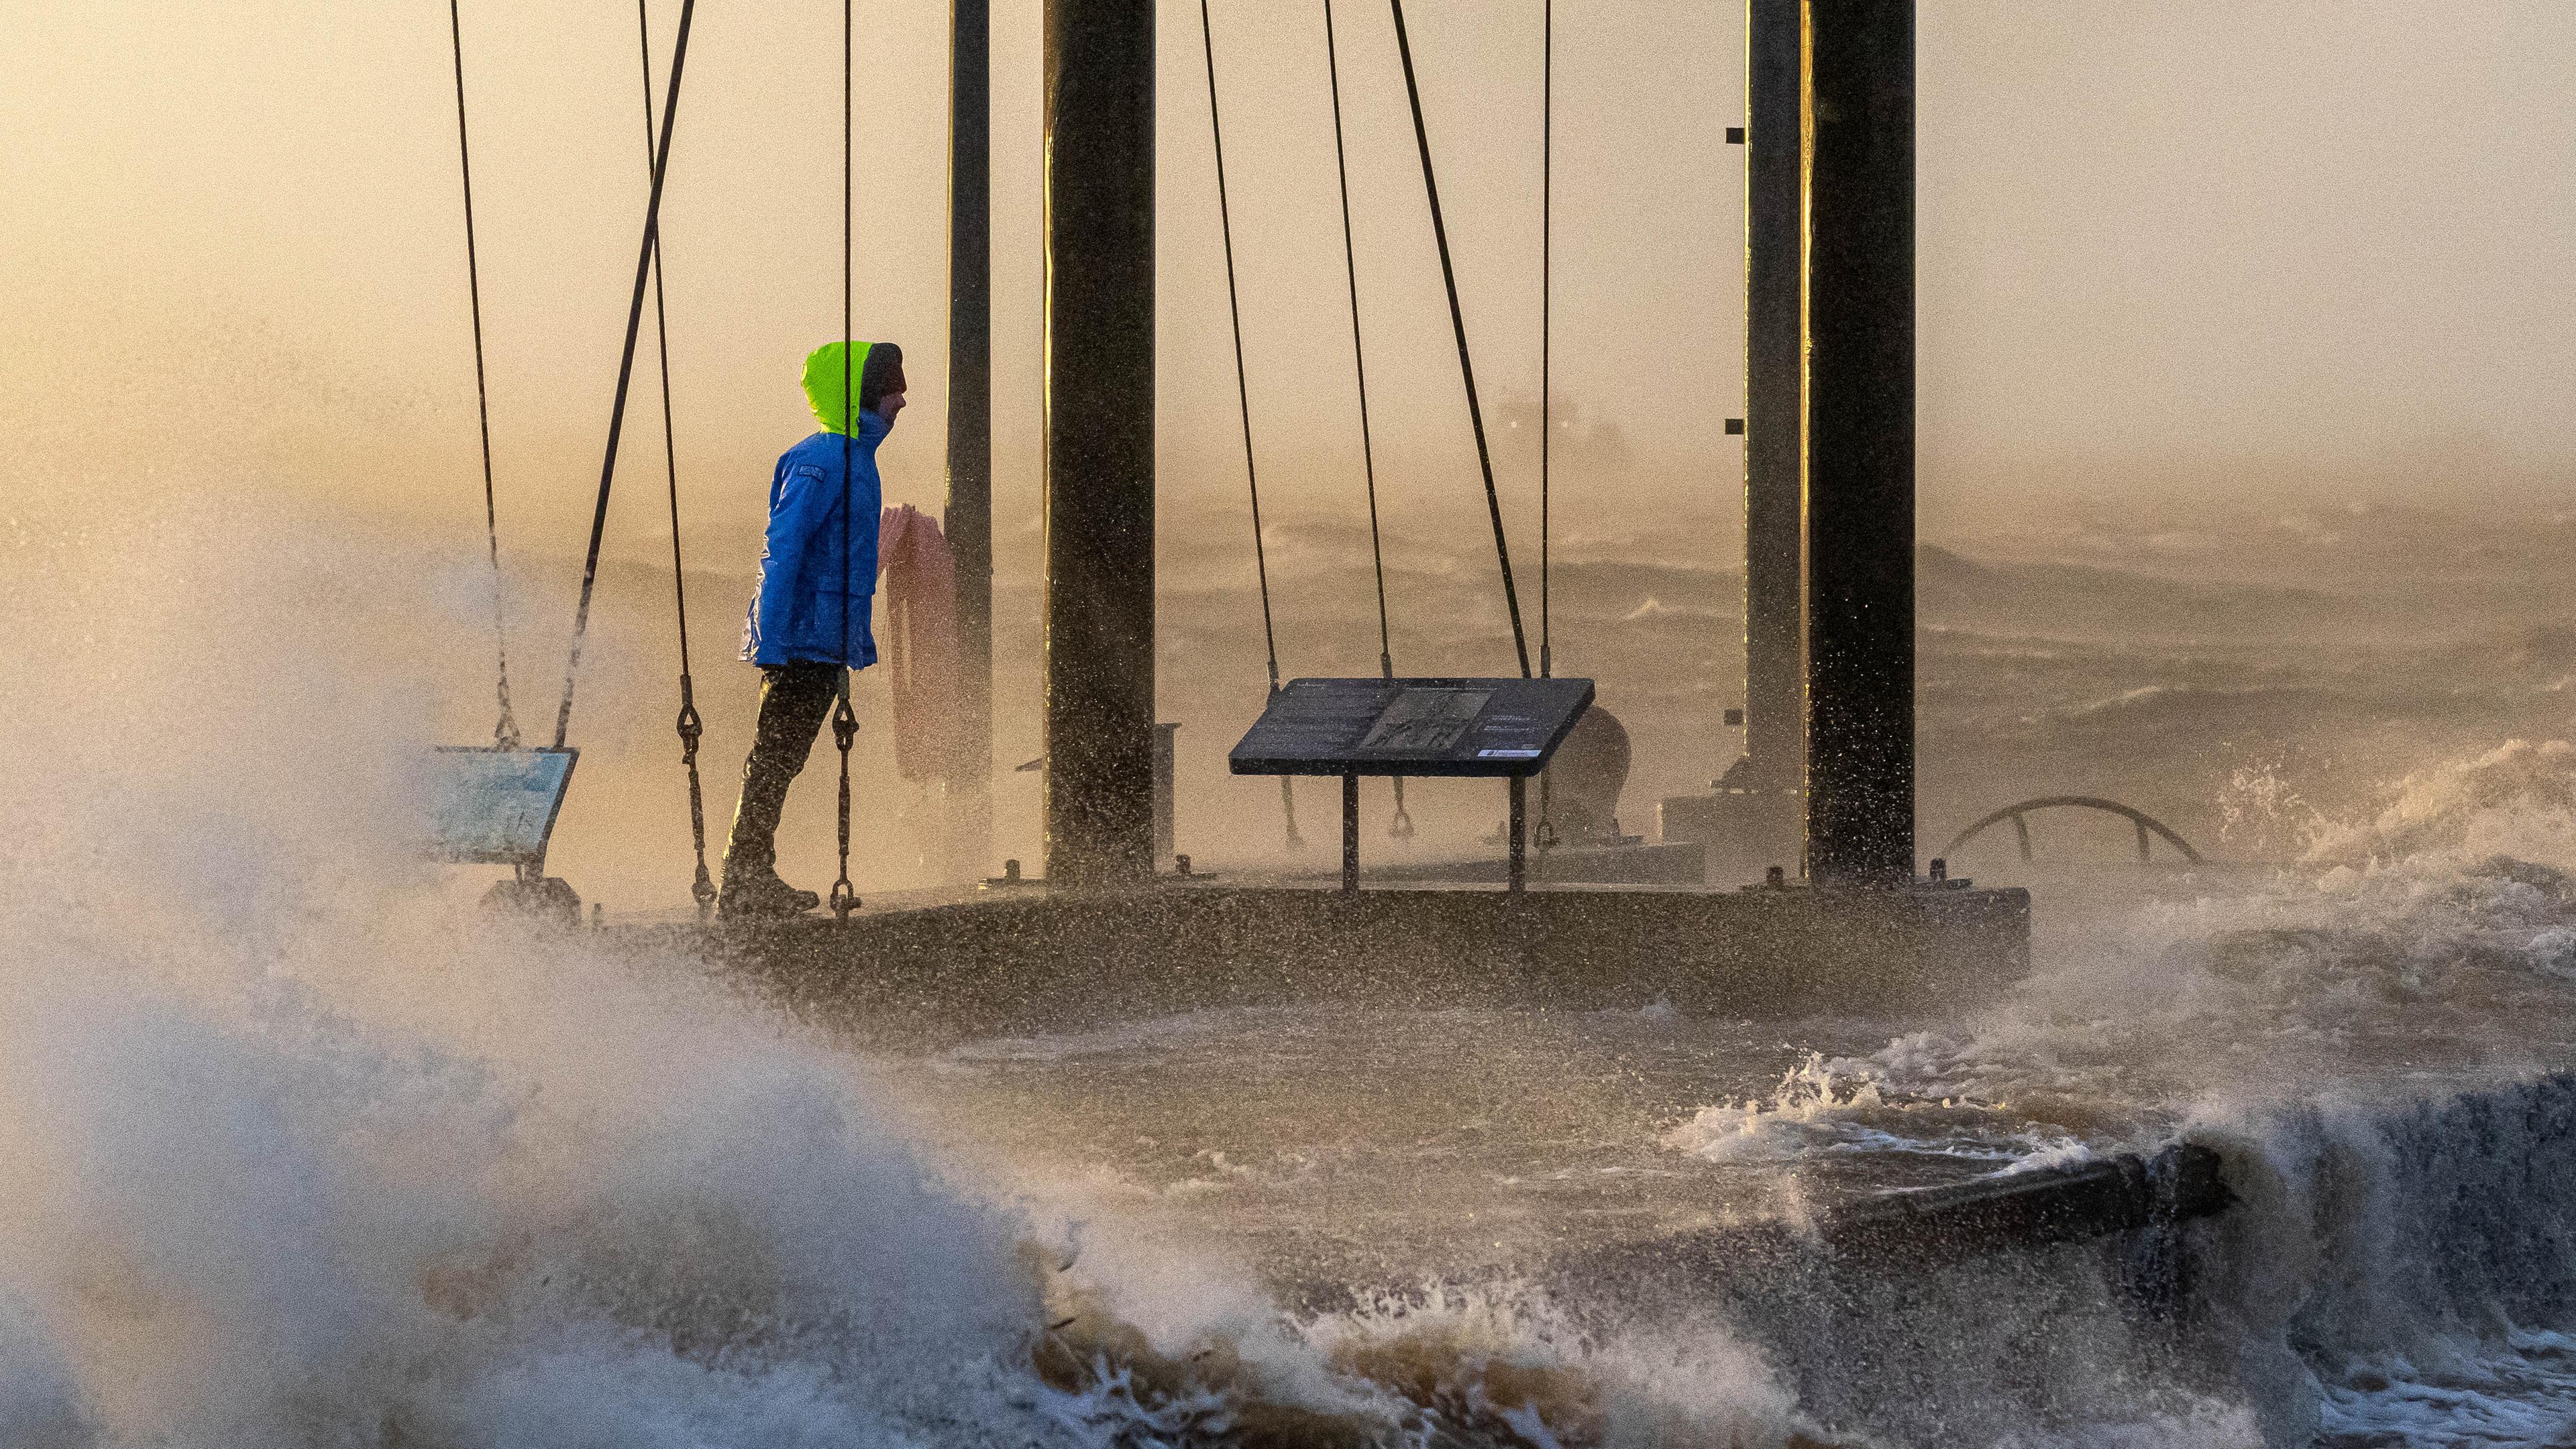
805 581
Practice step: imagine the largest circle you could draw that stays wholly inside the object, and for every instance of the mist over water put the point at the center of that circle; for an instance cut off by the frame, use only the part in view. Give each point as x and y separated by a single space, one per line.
307 1152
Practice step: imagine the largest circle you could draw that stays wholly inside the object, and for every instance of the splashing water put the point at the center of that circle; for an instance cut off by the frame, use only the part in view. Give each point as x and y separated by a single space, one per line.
1848 1106
305 1153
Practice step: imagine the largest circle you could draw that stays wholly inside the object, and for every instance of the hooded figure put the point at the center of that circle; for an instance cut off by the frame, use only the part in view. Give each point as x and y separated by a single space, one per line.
807 581
810 620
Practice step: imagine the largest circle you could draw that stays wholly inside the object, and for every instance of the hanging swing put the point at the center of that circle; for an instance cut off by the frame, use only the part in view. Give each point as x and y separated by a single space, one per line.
1502 728
497 804
1401 826
494 804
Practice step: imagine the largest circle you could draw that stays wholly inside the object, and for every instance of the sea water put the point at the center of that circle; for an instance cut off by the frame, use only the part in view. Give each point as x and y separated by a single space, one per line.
303 1151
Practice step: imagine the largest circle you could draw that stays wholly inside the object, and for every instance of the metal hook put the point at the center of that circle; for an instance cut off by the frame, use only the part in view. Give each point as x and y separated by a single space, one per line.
702 889
845 728
691 729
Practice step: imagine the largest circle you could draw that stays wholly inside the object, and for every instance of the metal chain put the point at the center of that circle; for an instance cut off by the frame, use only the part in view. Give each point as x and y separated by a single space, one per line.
625 371
1243 403
845 729
1359 354
1458 325
1546 309
505 734
1401 827
702 888
1546 835
845 721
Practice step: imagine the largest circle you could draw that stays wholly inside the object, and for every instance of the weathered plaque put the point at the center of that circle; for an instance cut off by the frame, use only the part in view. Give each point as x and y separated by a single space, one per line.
1455 727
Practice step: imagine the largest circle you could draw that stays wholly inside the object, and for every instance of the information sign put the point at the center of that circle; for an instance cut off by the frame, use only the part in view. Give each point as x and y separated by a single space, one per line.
1452 727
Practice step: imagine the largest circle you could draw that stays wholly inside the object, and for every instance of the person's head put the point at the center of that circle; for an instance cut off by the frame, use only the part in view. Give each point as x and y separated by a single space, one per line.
878 367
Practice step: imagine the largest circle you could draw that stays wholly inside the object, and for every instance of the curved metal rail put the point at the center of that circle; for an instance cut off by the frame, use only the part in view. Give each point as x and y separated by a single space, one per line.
2018 814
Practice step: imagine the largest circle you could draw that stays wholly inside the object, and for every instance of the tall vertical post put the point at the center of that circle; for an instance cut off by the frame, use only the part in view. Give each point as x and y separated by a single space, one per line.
969 516
1860 441
1755 816
1775 714
1099 117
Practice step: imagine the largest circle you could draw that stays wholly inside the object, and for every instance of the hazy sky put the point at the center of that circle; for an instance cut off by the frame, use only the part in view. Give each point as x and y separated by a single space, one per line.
2158 239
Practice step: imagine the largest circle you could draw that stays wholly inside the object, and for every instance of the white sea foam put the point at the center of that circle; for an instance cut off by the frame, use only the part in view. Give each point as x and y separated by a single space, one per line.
1848 1106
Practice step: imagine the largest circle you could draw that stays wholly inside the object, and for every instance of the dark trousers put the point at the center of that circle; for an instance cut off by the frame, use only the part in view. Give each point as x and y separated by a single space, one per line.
795 699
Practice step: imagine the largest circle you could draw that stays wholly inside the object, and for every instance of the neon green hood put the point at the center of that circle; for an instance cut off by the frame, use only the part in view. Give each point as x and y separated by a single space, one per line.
829 376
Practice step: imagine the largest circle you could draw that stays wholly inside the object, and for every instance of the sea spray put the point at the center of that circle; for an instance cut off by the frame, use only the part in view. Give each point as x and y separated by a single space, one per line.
305 1154
307 1151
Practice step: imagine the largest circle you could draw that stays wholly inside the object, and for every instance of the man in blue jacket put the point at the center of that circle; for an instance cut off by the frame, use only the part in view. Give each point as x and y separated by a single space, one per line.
809 622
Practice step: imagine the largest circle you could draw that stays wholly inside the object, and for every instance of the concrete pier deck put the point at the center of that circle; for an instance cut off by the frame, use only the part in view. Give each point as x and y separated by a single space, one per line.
1031 959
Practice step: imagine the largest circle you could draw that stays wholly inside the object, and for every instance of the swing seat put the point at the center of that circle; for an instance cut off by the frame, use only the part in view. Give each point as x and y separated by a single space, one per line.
491 806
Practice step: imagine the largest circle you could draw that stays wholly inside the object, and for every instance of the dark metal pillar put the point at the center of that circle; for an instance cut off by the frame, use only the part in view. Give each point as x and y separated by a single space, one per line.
969 520
1860 441
1775 714
1099 116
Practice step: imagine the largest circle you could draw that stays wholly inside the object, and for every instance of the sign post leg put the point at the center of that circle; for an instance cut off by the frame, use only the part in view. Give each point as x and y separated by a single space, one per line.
1520 835
1350 835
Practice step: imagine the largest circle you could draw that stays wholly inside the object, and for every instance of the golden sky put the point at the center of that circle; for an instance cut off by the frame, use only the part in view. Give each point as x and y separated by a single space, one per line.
2158 239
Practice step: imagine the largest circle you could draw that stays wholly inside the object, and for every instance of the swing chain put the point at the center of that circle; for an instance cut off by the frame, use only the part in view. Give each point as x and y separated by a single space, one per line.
702 888
1401 827
1458 328
1243 400
1546 351
692 729
845 729
505 733
845 722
